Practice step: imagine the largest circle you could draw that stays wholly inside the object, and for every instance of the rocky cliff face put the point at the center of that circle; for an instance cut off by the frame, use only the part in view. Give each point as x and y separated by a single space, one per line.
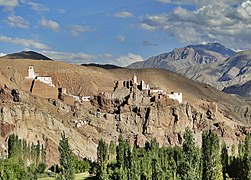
33 118
183 58
244 90
233 71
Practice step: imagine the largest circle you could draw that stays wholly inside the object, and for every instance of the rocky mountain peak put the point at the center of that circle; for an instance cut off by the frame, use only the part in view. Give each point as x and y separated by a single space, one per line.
216 47
26 55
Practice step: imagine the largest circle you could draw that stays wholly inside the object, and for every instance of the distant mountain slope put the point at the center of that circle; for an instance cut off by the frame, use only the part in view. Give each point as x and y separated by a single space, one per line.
186 57
244 90
26 55
104 66
233 71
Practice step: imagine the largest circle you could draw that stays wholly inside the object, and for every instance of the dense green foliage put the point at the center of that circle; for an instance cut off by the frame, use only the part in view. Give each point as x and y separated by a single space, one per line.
25 161
66 159
20 151
212 161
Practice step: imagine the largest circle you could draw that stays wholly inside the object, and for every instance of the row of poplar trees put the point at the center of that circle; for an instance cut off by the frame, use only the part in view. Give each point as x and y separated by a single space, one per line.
213 161
21 151
25 160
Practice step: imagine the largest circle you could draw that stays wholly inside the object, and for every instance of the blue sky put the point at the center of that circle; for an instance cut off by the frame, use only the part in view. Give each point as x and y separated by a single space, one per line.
120 31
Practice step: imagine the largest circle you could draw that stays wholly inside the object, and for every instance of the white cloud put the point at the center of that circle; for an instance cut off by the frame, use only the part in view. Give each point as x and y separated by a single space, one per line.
9 3
85 58
148 27
53 25
105 56
210 21
163 1
75 58
2 54
35 6
124 14
77 29
127 60
200 3
17 21
80 58
121 38
24 42
38 7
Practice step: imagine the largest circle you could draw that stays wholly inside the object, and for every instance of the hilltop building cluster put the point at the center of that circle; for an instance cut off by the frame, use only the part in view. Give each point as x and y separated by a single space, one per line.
43 86
139 92
145 90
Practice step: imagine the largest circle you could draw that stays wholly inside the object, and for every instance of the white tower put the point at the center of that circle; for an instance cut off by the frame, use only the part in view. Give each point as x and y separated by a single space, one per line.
31 72
135 81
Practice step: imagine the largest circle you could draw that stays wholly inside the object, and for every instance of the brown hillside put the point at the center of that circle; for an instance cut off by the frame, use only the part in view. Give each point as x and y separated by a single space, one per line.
36 118
79 80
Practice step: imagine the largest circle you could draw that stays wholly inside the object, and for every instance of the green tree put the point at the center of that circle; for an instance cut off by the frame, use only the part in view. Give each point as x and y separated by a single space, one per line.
165 163
191 160
237 166
212 167
127 155
11 146
102 160
224 160
247 158
41 168
43 154
66 158
112 152
157 172
135 165
33 152
121 152
12 170
146 165
25 152
38 153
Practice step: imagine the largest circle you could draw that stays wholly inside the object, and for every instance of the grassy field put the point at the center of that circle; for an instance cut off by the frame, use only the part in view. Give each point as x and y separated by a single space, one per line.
81 176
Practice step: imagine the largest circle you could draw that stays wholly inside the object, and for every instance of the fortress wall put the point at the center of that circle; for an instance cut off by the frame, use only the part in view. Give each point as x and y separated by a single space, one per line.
69 100
26 85
212 106
105 89
44 90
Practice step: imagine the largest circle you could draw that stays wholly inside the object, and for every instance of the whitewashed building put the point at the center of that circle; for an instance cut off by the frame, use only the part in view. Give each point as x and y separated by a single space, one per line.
176 96
44 79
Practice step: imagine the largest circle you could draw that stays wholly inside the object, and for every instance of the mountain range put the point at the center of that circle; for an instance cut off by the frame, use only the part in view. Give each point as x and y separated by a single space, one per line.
210 63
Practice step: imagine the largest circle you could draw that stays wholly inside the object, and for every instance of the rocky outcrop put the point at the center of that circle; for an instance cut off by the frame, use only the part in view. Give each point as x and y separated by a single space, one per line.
35 119
164 119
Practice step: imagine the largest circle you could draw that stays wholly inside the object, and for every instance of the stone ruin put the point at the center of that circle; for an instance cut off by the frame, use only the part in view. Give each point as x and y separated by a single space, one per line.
130 92
141 92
